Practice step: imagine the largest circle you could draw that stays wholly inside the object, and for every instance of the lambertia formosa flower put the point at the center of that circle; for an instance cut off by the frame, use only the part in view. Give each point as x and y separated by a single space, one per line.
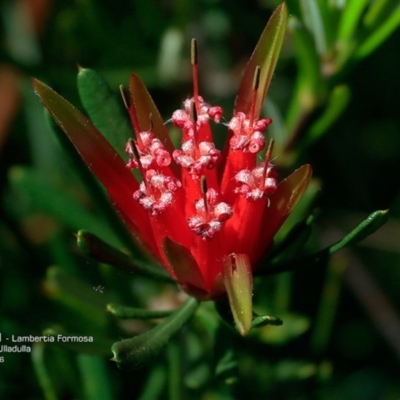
207 215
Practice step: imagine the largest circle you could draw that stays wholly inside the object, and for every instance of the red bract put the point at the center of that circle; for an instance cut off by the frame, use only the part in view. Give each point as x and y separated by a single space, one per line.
203 213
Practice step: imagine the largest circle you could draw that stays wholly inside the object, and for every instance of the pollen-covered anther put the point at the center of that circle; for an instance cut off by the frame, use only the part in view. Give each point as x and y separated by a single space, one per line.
156 192
130 150
256 183
206 156
182 118
246 136
210 215
150 150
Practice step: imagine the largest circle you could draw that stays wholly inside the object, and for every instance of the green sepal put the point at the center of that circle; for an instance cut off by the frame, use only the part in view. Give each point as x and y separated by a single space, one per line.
135 313
320 259
238 280
106 112
137 351
101 251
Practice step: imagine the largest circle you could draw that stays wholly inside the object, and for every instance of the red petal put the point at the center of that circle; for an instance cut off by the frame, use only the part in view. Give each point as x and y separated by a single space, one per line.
287 195
146 112
101 159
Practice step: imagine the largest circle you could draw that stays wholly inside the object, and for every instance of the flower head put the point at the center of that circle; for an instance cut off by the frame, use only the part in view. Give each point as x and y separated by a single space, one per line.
206 215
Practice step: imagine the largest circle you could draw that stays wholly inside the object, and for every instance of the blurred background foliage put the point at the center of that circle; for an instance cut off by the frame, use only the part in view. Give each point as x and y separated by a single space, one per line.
334 105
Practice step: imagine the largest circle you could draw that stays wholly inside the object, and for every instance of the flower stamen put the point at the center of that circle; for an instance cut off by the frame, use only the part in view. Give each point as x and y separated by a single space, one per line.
210 214
193 60
259 182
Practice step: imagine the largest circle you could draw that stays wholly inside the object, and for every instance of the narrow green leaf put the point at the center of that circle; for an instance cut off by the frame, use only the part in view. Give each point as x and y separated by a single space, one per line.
309 85
313 20
55 201
367 227
350 19
293 241
337 103
227 367
42 373
135 313
139 350
101 251
77 296
155 383
293 327
238 280
95 380
321 258
377 12
379 35
263 320
266 56
107 113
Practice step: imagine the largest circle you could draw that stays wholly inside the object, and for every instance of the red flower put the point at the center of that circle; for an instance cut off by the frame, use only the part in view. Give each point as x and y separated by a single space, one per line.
206 215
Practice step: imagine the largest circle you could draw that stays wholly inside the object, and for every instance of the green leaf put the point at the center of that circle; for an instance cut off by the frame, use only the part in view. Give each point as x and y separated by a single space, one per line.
293 241
139 350
42 372
101 251
107 113
95 379
309 85
378 11
313 20
379 35
35 187
294 326
266 56
337 103
364 229
350 19
320 259
263 320
135 313
77 296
